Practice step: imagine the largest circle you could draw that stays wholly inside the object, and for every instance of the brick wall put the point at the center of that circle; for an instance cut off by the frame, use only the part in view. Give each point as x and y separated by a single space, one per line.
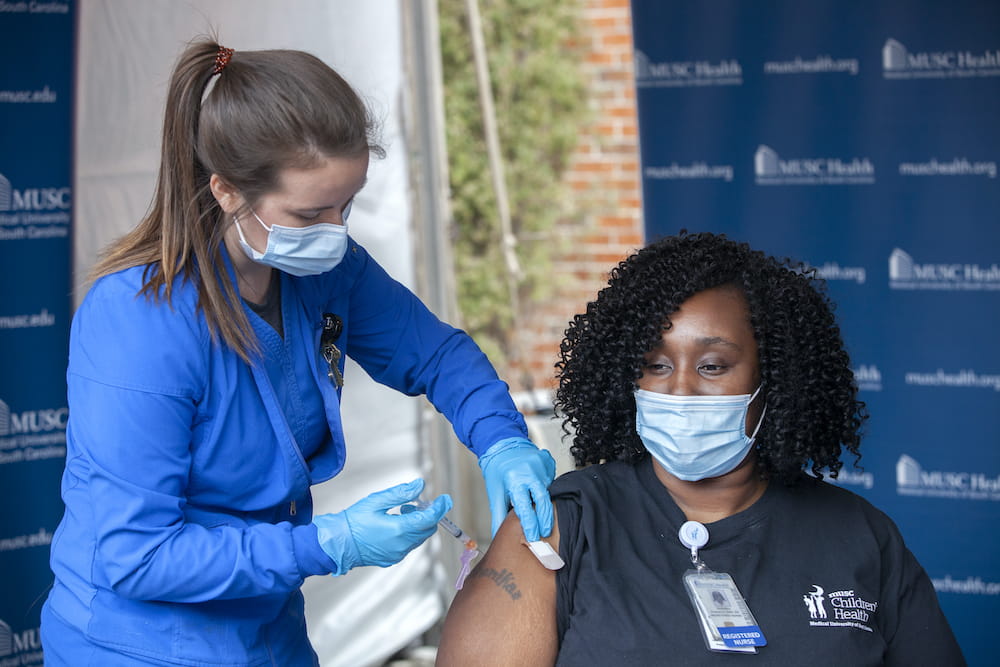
604 179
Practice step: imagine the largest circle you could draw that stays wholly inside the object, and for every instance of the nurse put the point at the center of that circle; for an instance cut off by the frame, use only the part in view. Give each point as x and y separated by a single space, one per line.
205 373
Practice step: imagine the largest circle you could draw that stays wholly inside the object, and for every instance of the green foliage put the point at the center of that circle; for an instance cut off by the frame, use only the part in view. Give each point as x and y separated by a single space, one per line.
540 98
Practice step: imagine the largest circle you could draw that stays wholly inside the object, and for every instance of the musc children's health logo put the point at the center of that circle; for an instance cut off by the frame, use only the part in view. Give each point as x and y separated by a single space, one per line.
898 62
685 73
906 273
838 609
771 169
913 480
35 212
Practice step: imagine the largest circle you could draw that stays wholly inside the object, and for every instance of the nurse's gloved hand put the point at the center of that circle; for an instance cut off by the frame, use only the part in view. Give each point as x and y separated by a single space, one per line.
365 534
518 473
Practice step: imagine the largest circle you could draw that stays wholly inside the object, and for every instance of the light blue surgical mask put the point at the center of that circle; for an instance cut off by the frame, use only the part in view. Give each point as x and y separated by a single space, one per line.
300 251
695 437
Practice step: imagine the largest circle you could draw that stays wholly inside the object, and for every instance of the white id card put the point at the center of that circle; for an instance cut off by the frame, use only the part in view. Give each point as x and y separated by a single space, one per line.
723 614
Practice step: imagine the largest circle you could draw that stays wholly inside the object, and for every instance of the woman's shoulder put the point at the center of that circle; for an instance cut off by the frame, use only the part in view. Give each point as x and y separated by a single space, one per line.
826 488
596 477
125 337
120 302
127 285
831 500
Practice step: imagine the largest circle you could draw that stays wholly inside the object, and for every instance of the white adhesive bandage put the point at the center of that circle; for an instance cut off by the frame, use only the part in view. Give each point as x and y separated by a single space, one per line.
546 555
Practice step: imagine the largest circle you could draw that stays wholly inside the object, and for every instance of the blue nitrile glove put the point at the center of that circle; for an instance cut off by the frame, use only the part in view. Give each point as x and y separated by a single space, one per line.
364 534
516 469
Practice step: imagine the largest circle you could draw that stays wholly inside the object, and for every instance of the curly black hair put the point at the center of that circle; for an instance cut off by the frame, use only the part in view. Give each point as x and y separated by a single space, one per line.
812 407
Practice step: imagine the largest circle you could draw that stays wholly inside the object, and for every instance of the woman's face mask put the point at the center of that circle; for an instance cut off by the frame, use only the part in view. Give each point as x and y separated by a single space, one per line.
306 215
300 251
698 393
695 437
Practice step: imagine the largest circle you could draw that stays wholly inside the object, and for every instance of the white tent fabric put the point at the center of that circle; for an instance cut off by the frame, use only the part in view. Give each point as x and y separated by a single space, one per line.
126 52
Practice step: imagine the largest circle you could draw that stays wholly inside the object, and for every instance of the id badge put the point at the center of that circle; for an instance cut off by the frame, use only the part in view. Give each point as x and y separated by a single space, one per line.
725 619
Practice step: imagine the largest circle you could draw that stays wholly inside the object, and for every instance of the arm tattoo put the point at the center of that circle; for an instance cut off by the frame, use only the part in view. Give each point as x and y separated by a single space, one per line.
503 579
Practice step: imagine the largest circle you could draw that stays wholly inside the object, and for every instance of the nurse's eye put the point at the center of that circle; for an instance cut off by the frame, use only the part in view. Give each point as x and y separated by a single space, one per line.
713 369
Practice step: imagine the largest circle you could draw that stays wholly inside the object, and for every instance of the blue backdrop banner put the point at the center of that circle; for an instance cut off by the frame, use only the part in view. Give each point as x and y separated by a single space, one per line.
862 138
36 200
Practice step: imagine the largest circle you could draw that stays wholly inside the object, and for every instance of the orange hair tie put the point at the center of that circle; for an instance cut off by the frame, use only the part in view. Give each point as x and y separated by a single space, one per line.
221 60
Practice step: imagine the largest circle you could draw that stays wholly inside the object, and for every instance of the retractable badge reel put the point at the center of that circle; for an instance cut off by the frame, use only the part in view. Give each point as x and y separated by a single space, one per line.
723 615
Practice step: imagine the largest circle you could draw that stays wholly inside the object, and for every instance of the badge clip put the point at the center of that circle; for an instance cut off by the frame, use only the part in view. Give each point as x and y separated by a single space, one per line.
727 625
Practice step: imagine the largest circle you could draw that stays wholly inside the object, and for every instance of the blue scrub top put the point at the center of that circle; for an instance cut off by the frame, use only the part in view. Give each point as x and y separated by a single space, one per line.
187 529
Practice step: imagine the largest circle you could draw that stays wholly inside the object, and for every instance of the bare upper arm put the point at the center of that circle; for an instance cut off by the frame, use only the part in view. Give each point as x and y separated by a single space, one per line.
506 612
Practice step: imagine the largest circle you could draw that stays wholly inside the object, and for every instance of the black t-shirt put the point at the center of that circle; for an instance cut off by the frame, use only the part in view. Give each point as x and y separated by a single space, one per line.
826 575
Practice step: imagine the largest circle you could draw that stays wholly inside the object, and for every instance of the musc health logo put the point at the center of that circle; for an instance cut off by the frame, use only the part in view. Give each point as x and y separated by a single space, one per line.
6 193
31 421
26 646
913 480
684 73
898 62
905 273
33 213
33 199
771 169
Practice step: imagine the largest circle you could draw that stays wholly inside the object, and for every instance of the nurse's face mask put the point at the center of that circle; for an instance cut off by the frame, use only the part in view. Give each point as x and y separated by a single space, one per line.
300 251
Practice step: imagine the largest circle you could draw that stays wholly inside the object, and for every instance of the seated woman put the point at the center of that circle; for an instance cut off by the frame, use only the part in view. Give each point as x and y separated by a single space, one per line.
708 383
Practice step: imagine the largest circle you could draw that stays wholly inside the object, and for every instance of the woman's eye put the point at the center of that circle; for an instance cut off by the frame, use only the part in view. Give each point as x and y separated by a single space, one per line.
656 367
712 368
308 217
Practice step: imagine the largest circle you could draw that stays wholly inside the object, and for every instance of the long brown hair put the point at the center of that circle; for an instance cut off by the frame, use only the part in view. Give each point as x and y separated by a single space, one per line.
265 111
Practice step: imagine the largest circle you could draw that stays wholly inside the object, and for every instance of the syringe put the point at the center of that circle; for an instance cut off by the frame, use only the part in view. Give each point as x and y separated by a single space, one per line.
444 522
